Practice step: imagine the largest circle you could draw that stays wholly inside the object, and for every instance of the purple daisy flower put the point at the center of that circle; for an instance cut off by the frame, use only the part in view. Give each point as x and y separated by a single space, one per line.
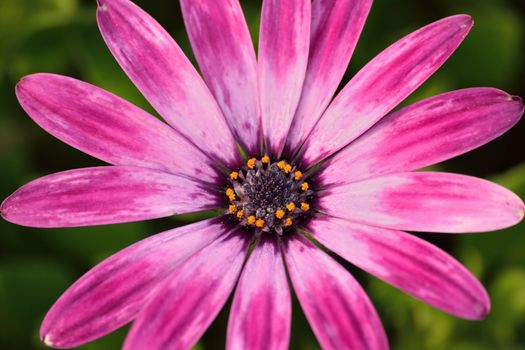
334 172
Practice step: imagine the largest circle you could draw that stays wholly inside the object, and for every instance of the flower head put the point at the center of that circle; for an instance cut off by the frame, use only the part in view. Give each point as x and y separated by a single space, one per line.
336 171
266 193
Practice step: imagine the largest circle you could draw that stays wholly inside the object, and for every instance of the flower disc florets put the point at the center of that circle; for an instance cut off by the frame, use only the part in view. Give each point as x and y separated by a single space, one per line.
270 197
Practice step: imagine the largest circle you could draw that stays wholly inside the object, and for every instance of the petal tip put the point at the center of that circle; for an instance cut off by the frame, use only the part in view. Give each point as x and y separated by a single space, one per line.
18 86
482 307
478 309
519 206
521 212
46 339
29 77
469 21
518 100
101 5
22 82
20 92
4 209
482 310
465 21
30 81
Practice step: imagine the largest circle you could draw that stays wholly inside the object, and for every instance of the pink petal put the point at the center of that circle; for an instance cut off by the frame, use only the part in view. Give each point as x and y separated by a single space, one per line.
426 201
107 127
260 316
384 82
425 133
339 311
112 294
159 69
283 56
223 47
186 304
104 195
336 27
408 263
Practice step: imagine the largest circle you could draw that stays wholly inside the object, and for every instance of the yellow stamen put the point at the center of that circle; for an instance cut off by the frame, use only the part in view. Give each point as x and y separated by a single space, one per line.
290 206
240 214
232 208
230 193
281 164
305 186
298 175
234 175
279 214
250 220
288 222
251 163
265 159
305 206
287 168
259 223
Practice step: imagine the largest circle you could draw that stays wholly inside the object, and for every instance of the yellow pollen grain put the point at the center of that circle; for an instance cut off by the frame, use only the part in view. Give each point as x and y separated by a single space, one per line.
234 175
265 159
279 214
259 223
288 222
251 163
240 214
290 206
297 175
305 186
250 219
305 206
281 164
287 168
232 208
230 193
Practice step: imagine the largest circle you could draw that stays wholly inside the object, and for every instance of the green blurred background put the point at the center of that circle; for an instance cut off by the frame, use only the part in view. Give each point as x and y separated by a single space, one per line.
61 36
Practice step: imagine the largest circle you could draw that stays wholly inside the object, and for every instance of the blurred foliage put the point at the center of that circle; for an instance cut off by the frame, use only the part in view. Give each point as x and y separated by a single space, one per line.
61 36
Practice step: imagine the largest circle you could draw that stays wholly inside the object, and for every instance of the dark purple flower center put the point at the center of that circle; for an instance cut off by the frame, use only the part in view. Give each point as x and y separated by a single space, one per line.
269 197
